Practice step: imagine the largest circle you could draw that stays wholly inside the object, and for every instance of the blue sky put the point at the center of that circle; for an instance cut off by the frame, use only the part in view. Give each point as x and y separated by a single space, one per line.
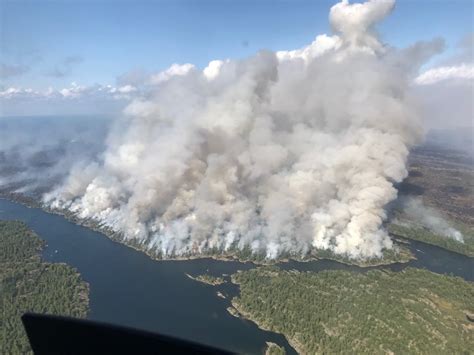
103 39
51 44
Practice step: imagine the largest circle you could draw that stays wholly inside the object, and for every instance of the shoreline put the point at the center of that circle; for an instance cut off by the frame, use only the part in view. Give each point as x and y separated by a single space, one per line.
267 322
114 236
233 300
207 279
239 313
406 239
35 284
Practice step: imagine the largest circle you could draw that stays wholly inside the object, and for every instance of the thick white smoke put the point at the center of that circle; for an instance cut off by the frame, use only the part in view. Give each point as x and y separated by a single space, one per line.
281 152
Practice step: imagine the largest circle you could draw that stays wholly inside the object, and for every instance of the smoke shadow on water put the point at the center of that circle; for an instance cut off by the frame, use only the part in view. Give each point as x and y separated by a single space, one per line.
128 288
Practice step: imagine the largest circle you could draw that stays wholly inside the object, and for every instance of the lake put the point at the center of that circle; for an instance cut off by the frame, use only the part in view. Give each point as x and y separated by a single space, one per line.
128 288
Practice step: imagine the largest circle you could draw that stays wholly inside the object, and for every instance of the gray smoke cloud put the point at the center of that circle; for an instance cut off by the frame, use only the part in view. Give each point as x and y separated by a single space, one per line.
281 152
38 152
429 218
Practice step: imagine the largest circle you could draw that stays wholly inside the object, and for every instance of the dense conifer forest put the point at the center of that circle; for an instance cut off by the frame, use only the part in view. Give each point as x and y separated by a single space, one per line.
409 312
27 284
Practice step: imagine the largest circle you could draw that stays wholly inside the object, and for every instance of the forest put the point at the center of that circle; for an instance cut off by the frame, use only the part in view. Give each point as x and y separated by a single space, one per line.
398 254
426 236
409 312
28 284
207 279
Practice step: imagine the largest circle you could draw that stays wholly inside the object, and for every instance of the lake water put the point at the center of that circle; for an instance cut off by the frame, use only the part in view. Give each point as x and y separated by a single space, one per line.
128 288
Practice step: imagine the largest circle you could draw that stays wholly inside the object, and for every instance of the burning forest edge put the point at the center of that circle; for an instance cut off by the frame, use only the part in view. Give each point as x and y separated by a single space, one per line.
400 254
287 154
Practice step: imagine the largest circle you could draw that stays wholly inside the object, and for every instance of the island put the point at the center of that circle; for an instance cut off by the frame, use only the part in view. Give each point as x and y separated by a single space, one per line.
28 284
378 311
207 279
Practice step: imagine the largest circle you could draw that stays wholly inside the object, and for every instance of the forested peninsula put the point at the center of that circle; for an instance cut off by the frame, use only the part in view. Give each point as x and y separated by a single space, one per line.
28 284
414 311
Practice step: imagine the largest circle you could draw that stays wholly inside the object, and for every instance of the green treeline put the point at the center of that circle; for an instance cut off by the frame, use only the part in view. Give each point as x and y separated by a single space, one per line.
209 279
426 236
29 285
410 312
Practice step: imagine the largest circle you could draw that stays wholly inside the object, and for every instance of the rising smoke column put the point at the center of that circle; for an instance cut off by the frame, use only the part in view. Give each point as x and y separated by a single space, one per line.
281 152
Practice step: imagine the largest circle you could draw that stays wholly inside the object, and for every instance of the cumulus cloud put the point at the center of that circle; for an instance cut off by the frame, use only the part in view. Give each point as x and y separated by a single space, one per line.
72 99
456 72
280 153
213 69
73 91
318 47
173 70
445 91
458 67
15 92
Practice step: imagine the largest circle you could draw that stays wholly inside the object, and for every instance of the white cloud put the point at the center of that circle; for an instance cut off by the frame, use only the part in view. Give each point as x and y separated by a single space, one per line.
274 155
463 72
74 91
213 69
354 21
126 89
12 92
122 89
173 70
322 44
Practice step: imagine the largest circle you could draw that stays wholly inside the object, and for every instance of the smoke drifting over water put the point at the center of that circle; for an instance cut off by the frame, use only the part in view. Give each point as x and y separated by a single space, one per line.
281 152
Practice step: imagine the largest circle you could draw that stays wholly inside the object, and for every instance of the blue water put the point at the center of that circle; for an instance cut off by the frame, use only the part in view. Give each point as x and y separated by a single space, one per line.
128 288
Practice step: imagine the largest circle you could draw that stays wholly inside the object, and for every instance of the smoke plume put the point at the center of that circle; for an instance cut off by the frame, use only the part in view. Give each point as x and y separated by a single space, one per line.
429 218
38 152
280 153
